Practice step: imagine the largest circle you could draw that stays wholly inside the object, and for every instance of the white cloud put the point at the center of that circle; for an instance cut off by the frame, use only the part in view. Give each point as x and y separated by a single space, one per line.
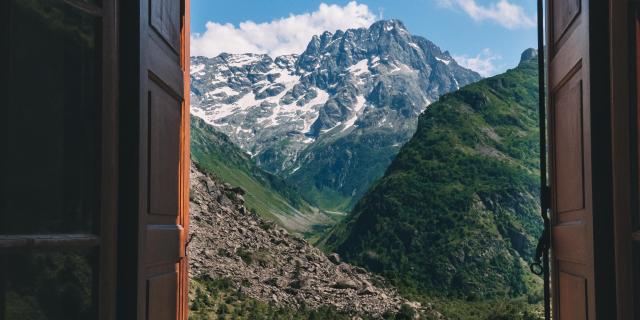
504 13
281 36
483 63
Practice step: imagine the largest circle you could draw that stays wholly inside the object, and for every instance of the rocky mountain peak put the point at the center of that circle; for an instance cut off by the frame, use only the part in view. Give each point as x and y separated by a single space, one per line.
528 54
388 26
345 84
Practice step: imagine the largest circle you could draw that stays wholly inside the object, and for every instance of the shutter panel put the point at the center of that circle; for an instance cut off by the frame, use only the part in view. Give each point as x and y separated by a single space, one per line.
163 160
570 159
580 157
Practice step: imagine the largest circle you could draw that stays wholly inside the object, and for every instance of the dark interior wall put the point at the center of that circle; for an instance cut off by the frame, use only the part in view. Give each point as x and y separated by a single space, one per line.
129 57
51 120
4 80
601 144
54 124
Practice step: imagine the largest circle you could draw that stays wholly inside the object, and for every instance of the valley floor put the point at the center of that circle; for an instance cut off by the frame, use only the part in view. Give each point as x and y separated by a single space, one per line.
220 299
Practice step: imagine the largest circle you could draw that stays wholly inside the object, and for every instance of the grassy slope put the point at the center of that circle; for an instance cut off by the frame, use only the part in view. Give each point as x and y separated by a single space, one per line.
267 194
456 213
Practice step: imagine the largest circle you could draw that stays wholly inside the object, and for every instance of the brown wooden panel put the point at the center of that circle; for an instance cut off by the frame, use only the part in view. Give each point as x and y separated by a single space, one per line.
573 297
183 266
163 244
164 158
162 296
564 13
567 106
571 159
164 151
165 20
165 66
568 242
566 59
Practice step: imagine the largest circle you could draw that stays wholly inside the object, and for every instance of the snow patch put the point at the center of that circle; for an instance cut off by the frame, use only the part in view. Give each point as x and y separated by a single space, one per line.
402 68
321 98
226 90
196 68
217 78
247 101
415 46
293 111
242 60
443 60
455 81
329 129
360 101
359 68
375 61
288 81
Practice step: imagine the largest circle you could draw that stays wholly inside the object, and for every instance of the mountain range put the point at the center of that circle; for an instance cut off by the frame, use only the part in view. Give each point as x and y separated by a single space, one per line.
329 120
377 145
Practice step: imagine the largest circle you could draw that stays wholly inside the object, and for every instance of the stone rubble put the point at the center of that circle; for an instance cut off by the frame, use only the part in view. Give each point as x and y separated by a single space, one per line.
269 264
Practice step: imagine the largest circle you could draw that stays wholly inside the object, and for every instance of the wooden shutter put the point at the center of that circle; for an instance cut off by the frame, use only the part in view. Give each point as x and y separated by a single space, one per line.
570 162
163 159
629 260
580 159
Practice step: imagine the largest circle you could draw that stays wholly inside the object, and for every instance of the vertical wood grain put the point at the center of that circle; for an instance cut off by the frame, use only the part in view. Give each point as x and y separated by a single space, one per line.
183 266
163 153
570 159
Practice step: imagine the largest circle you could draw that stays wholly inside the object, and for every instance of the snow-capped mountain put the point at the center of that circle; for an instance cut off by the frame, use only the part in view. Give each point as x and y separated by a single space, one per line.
332 118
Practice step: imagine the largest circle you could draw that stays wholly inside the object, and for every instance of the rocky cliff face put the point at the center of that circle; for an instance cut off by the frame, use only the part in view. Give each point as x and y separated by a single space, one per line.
332 118
268 264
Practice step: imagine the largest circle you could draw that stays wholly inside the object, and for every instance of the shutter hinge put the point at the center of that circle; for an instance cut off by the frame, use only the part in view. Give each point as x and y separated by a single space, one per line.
544 243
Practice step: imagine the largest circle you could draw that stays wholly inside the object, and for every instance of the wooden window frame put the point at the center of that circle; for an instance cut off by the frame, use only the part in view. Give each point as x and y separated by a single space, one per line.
103 239
631 256
150 63
624 48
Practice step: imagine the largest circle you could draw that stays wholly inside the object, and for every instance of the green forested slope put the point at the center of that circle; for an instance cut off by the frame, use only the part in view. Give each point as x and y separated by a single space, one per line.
456 213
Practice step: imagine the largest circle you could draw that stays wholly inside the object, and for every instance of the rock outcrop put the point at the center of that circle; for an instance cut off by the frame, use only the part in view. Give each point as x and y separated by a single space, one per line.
268 264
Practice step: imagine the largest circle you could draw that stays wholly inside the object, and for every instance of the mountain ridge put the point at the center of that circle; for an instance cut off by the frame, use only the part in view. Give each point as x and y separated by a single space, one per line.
457 211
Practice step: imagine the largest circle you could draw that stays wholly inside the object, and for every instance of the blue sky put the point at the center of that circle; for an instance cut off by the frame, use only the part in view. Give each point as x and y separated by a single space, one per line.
485 35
